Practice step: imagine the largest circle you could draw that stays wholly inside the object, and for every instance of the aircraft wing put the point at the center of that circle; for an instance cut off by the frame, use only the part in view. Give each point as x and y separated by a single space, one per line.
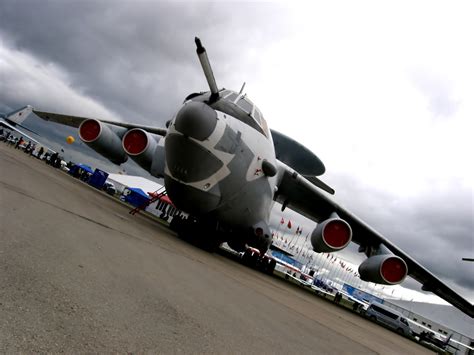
75 121
24 135
14 119
13 128
302 196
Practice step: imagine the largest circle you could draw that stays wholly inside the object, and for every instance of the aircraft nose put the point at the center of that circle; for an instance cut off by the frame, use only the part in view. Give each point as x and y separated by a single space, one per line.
196 120
191 199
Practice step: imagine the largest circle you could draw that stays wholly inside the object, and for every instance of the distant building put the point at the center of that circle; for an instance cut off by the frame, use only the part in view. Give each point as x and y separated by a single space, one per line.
440 319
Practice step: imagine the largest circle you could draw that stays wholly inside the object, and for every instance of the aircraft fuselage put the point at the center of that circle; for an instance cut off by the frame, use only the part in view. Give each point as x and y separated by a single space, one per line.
214 156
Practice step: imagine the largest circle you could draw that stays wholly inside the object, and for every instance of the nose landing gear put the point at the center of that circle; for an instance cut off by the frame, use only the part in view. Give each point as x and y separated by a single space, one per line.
253 258
205 235
200 233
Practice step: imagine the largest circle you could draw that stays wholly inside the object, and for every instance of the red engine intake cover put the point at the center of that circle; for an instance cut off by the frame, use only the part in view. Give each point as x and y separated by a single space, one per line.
393 270
135 141
89 130
337 233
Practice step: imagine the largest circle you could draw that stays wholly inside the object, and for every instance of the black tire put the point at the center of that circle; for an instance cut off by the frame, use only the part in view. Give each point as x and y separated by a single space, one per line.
271 266
373 318
249 258
262 265
209 243
175 224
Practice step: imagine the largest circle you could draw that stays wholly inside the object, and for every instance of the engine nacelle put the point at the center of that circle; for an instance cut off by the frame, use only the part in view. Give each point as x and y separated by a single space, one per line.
104 139
387 269
331 235
146 150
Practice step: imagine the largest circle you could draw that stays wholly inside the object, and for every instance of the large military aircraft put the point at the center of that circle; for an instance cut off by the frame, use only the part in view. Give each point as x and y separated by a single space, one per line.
223 165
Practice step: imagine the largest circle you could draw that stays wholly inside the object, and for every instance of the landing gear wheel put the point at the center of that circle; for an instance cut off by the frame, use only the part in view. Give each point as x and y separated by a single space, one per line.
176 224
271 266
209 243
250 258
266 265
201 234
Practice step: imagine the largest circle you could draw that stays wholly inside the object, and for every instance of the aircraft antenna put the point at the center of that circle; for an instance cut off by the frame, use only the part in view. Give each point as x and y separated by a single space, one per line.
206 67
242 88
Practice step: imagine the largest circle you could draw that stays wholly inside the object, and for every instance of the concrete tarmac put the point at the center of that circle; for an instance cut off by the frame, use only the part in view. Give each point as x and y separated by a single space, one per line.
79 274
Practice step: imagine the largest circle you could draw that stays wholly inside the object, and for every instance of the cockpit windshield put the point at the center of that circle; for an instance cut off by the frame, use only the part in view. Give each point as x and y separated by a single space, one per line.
240 107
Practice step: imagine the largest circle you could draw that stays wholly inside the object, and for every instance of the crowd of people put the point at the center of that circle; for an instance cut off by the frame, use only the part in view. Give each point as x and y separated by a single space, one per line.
29 147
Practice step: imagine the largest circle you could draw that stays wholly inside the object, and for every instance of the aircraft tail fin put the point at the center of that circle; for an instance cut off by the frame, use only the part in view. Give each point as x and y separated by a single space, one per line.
15 118
18 116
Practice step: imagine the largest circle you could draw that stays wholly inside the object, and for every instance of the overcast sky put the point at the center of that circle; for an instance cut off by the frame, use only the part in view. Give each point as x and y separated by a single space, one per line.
383 94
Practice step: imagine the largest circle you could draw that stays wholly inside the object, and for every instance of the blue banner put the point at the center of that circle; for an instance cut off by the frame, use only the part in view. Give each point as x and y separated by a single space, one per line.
361 295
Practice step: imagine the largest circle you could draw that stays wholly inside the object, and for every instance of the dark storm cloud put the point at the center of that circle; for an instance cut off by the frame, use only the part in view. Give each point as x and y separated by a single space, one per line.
137 58
448 228
434 227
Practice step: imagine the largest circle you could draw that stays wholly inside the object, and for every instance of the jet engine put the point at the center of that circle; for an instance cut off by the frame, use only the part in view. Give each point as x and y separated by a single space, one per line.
104 139
385 269
331 235
146 150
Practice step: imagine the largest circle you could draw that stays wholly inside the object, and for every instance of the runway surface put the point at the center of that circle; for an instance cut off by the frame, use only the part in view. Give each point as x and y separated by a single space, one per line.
79 274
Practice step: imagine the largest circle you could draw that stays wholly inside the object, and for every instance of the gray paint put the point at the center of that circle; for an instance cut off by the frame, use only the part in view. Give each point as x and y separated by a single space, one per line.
230 141
158 164
145 158
235 202
296 155
181 156
190 199
196 120
246 202
109 143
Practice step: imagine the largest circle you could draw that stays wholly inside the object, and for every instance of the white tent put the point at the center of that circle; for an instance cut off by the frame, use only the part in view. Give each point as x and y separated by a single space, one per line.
122 181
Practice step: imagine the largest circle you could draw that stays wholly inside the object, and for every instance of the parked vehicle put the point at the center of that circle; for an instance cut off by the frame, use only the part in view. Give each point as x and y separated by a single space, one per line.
389 318
109 188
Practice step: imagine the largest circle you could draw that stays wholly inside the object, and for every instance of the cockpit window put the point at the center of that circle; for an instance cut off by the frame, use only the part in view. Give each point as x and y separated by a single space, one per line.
245 105
231 97
240 107
257 115
261 120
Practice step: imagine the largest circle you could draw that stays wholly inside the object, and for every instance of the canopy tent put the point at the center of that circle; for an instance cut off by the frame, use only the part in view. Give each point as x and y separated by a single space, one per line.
136 197
139 191
78 169
86 168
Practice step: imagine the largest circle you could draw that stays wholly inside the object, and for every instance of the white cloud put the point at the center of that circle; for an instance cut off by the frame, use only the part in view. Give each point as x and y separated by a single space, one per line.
347 85
29 80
